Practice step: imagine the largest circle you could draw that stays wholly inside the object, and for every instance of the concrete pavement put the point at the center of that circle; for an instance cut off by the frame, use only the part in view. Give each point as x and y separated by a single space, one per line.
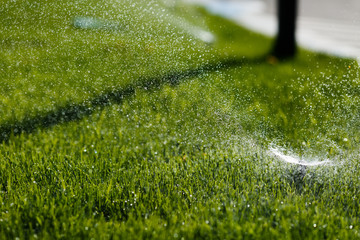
329 26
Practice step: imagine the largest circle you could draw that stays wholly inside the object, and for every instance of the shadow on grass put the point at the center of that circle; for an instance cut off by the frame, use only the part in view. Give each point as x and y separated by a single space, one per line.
73 112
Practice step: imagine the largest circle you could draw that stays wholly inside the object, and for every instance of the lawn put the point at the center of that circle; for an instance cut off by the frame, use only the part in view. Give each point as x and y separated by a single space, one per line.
135 128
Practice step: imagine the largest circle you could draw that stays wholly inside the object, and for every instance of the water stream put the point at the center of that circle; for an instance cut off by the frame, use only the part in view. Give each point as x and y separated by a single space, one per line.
279 154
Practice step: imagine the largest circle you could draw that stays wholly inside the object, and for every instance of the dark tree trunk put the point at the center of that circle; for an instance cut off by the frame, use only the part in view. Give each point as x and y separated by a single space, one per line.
285 44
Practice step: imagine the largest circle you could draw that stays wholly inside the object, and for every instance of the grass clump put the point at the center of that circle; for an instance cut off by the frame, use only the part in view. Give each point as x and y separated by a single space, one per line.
187 157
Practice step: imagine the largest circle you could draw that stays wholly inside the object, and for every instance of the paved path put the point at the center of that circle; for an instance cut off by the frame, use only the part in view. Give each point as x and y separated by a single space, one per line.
330 26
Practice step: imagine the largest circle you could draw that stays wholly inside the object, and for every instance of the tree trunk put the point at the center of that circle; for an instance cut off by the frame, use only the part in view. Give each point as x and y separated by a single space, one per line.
285 44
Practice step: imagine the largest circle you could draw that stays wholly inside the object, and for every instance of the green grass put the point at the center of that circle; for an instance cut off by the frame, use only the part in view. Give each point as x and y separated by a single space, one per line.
186 159
47 63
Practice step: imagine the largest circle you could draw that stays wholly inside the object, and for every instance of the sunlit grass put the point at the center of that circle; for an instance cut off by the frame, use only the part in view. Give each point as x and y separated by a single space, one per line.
46 62
186 159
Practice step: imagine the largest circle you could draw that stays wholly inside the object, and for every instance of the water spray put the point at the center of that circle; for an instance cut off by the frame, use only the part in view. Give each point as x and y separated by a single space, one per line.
302 165
297 160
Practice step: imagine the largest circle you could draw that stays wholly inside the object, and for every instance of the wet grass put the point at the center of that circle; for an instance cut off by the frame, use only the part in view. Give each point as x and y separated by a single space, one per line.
48 64
187 157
